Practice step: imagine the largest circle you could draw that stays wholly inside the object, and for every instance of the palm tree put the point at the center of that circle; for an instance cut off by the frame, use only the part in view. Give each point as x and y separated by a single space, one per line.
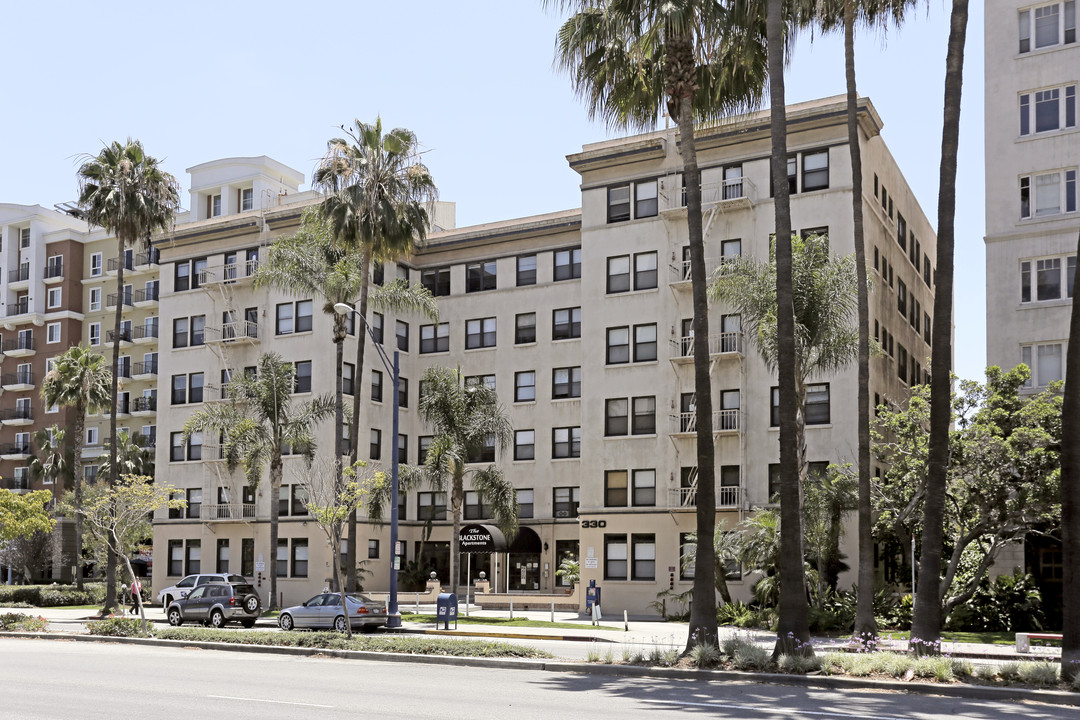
630 60
54 459
125 191
926 621
311 263
260 421
79 380
132 454
1070 501
465 421
377 196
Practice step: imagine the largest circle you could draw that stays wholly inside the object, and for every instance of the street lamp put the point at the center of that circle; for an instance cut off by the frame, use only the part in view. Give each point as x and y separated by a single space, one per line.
393 617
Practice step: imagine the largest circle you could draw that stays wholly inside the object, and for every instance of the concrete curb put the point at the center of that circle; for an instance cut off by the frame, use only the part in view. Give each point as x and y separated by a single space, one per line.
510 636
828 682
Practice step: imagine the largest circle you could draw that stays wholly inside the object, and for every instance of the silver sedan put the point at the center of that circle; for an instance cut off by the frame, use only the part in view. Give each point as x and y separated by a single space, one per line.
324 611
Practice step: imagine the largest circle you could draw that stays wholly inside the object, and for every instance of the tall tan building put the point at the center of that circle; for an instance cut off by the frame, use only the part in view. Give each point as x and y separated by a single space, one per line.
578 319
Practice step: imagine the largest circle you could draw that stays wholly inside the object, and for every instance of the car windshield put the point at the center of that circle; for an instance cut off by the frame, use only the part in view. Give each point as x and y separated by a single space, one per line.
360 598
186 582
237 579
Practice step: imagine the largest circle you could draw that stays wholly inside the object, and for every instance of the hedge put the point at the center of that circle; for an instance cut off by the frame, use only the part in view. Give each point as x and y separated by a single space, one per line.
52 595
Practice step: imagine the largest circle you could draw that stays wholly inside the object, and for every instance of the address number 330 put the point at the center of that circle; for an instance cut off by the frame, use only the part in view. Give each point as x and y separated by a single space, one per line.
593 523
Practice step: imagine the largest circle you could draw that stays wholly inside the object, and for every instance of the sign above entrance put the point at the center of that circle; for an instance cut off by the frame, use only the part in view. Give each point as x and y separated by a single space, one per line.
479 538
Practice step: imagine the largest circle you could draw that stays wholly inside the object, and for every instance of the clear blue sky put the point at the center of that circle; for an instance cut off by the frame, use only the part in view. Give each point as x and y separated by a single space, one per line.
199 81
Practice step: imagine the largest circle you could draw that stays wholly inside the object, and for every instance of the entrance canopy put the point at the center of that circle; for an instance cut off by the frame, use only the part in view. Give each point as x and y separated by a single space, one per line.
480 538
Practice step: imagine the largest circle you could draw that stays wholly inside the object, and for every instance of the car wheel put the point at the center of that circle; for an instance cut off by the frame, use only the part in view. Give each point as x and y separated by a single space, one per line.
217 619
167 601
248 623
251 603
285 622
176 619
339 624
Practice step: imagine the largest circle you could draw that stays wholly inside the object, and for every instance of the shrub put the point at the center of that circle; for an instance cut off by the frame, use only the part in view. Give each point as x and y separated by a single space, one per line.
734 613
934 666
1009 603
116 627
962 668
1038 673
52 595
1009 672
592 654
986 672
706 656
19 622
751 658
833 663
799 664
896 616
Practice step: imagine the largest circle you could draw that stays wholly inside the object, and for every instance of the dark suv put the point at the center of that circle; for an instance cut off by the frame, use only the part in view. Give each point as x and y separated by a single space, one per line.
217 603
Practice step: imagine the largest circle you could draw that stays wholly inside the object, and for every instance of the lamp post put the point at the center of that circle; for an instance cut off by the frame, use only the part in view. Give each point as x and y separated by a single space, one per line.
393 617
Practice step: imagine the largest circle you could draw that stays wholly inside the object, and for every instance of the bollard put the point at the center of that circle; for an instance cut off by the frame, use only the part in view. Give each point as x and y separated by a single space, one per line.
511 608
552 609
625 622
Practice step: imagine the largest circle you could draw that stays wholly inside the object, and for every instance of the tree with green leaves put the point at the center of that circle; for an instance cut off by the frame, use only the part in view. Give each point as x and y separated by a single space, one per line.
377 200
927 618
22 515
466 421
829 496
1003 477
117 519
132 453
79 380
54 459
631 60
261 420
124 190
312 263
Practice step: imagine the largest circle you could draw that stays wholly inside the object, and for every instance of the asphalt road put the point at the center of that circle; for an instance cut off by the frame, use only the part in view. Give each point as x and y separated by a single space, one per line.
51 679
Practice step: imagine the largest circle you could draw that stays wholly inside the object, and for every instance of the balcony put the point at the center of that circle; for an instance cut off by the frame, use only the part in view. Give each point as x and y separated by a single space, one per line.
240 331
17 485
726 343
19 307
229 512
123 408
125 336
143 334
54 272
236 272
19 279
684 424
21 415
110 301
142 406
112 267
213 453
15 451
724 195
145 298
16 381
727 497
144 260
22 346
144 370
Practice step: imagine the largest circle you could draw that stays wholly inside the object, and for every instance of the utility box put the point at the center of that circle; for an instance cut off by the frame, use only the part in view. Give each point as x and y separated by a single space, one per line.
592 596
446 607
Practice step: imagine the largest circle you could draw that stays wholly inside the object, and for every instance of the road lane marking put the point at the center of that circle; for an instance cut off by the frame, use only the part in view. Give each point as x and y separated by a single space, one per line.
762 709
263 700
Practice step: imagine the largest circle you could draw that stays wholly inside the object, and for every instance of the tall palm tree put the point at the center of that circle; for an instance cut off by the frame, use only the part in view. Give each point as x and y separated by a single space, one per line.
926 621
260 421
465 420
124 190
132 455
377 196
79 380
1070 500
53 460
630 60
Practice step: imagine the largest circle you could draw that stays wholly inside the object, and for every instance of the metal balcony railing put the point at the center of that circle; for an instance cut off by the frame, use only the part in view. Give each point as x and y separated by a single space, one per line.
54 270
229 511
719 343
20 275
125 335
114 263
722 420
145 368
111 300
23 377
17 413
144 295
142 332
727 496
144 404
19 343
19 307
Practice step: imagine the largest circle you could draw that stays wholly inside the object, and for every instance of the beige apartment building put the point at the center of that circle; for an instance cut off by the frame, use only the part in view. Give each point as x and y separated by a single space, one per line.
579 320
1032 69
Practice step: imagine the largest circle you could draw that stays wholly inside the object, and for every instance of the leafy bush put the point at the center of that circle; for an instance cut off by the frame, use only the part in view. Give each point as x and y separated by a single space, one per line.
751 657
734 613
706 656
986 672
836 611
896 616
1009 672
934 666
1038 673
19 622
52 595
116 627
799 664
1010 603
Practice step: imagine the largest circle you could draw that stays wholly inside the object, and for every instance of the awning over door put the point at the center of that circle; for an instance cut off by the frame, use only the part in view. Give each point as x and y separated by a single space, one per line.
480 538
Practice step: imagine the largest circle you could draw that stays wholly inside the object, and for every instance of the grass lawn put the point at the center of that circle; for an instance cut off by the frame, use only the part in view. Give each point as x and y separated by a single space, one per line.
986 638
506 622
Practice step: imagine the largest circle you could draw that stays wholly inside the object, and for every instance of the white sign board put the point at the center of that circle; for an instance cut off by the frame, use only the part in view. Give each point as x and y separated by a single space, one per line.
260 567
592 563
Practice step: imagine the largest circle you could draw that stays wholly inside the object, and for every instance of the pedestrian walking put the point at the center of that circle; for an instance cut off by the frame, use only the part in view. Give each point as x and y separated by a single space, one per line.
136 595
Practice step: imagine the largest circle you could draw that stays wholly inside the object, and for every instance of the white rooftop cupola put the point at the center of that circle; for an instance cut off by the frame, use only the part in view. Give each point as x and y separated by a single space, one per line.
240 184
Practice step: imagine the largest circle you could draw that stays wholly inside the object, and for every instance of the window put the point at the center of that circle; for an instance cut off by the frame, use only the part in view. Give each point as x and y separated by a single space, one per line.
302 377
525 386
618 203
91 436
566 323
52 333
645 277
730 249
95 264
566 383
436 280
193 559
1045 362
616 417
176 447
484 453
644 488
402 333
480 333
926 272
432 506
526 270
295 317
375 449
902 364
645 199
618 274
565 502
180 332
815 167
1048 110
376 327
474 506
348 378
373 549
378 273
568 264
487 381
618 345
643 548
1047 278
222 556
1053 24
176 557
54 298
194 502
524 444
187 274
179 389
615 556
246 198
525 328
282 561
299 498
615 488
376 386
901 298
1048 194
644 343
435 338
213 205
195 443
480 276
901 231
644 416
95 334
926 328
817 404
198 328
403 448
566 442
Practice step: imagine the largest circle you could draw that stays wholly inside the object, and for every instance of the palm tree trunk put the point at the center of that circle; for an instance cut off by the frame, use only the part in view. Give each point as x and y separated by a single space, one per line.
457 492
275 514
926 625
114 474
1070 500
79 426
865 625
793 633
354 425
